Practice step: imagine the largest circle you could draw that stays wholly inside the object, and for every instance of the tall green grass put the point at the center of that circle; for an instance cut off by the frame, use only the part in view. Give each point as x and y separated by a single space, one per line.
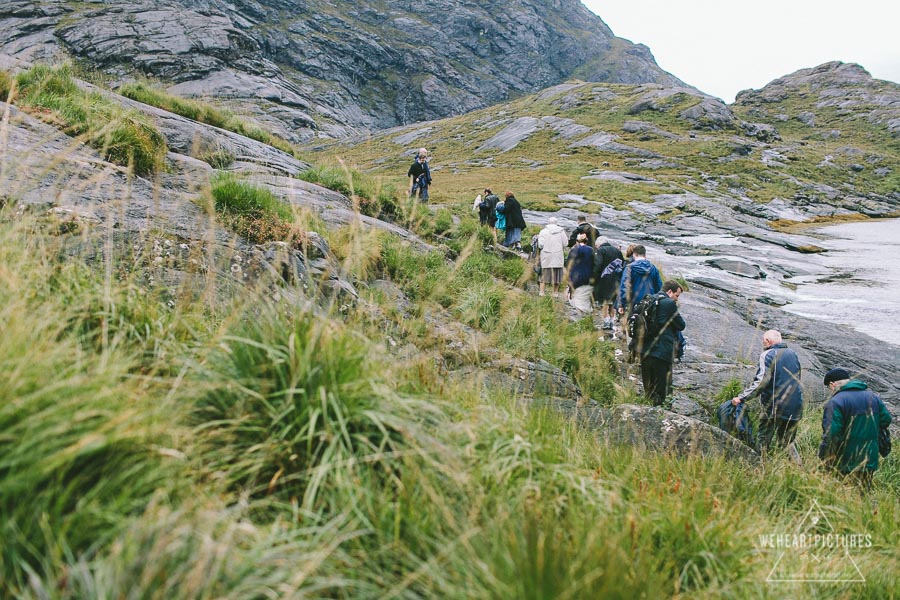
85 442
252 212
124 137
371 196
298 401
160 449
203 112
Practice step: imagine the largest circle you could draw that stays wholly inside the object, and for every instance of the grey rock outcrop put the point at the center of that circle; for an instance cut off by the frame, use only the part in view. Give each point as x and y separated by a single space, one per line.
837 92
525 379
656 429
313 68
606 142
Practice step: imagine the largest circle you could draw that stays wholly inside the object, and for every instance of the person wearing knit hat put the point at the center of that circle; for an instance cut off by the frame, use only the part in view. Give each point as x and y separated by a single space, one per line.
854 427
837 374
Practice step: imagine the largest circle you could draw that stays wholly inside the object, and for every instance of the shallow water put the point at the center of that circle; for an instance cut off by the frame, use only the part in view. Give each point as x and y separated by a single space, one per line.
864 292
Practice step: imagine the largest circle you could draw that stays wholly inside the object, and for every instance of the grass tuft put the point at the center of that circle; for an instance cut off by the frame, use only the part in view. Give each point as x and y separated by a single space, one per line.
252 212
202 112
122 136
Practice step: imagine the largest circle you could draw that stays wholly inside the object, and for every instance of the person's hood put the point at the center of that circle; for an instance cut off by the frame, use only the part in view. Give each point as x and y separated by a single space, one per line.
854 384
553 228
641 266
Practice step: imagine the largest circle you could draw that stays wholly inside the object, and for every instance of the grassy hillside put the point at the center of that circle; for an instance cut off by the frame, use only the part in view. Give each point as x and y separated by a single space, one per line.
699 145
160 446
163 441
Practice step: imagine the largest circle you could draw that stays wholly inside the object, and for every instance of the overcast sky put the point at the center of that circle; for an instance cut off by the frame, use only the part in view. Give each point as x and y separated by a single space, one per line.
722 46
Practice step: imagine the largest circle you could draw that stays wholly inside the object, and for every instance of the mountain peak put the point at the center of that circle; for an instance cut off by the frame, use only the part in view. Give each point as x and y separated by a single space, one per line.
316 68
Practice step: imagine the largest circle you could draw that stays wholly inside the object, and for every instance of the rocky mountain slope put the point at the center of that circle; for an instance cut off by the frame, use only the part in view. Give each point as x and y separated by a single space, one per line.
814 144
308 68
706 191
355 406
712 190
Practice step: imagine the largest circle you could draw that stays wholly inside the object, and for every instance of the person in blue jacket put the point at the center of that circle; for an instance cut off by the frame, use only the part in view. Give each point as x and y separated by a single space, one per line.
580 269
640 278
777 383
851 423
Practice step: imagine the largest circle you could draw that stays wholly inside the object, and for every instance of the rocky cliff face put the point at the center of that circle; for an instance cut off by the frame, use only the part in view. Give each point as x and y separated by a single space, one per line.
832 97
323 68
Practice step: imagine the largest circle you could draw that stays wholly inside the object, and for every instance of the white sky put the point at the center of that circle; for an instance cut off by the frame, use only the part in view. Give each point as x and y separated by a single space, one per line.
724 46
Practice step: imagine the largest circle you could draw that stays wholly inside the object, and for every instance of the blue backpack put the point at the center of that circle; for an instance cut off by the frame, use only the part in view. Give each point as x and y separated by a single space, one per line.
734 420
614 268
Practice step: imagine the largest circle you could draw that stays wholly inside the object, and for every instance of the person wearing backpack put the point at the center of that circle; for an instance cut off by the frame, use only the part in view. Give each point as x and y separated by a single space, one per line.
607 276
580 268
659 343
487 206
500 219
640 278
777 383
854 427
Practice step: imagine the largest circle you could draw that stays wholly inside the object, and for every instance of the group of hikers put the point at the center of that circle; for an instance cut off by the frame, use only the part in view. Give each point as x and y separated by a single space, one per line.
635 303
503 216
855 421
631 295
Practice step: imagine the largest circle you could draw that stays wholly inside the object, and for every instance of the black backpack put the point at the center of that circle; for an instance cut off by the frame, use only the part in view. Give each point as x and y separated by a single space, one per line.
642 325
884 442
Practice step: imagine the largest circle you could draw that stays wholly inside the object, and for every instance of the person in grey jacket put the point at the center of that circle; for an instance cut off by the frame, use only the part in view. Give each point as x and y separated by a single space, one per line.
777 383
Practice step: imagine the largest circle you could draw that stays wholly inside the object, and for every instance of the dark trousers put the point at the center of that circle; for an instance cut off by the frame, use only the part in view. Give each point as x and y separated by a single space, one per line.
863 478
780 431
420 188
656 375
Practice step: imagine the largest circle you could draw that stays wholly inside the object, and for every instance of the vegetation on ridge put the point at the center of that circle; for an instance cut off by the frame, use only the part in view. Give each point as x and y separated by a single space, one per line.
252 212
202 112
162 441
124 137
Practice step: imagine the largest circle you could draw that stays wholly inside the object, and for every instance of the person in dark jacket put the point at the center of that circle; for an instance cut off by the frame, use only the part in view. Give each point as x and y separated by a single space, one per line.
606 288
777 383
658 355
586 228
851 422
487 207
640 278
515 223
419 177
580 269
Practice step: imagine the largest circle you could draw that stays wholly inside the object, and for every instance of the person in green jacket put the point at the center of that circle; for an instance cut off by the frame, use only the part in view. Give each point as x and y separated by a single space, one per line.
851 423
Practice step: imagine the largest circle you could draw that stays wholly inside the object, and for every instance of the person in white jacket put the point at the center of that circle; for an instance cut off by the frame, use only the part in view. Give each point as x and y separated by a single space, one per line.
552 241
